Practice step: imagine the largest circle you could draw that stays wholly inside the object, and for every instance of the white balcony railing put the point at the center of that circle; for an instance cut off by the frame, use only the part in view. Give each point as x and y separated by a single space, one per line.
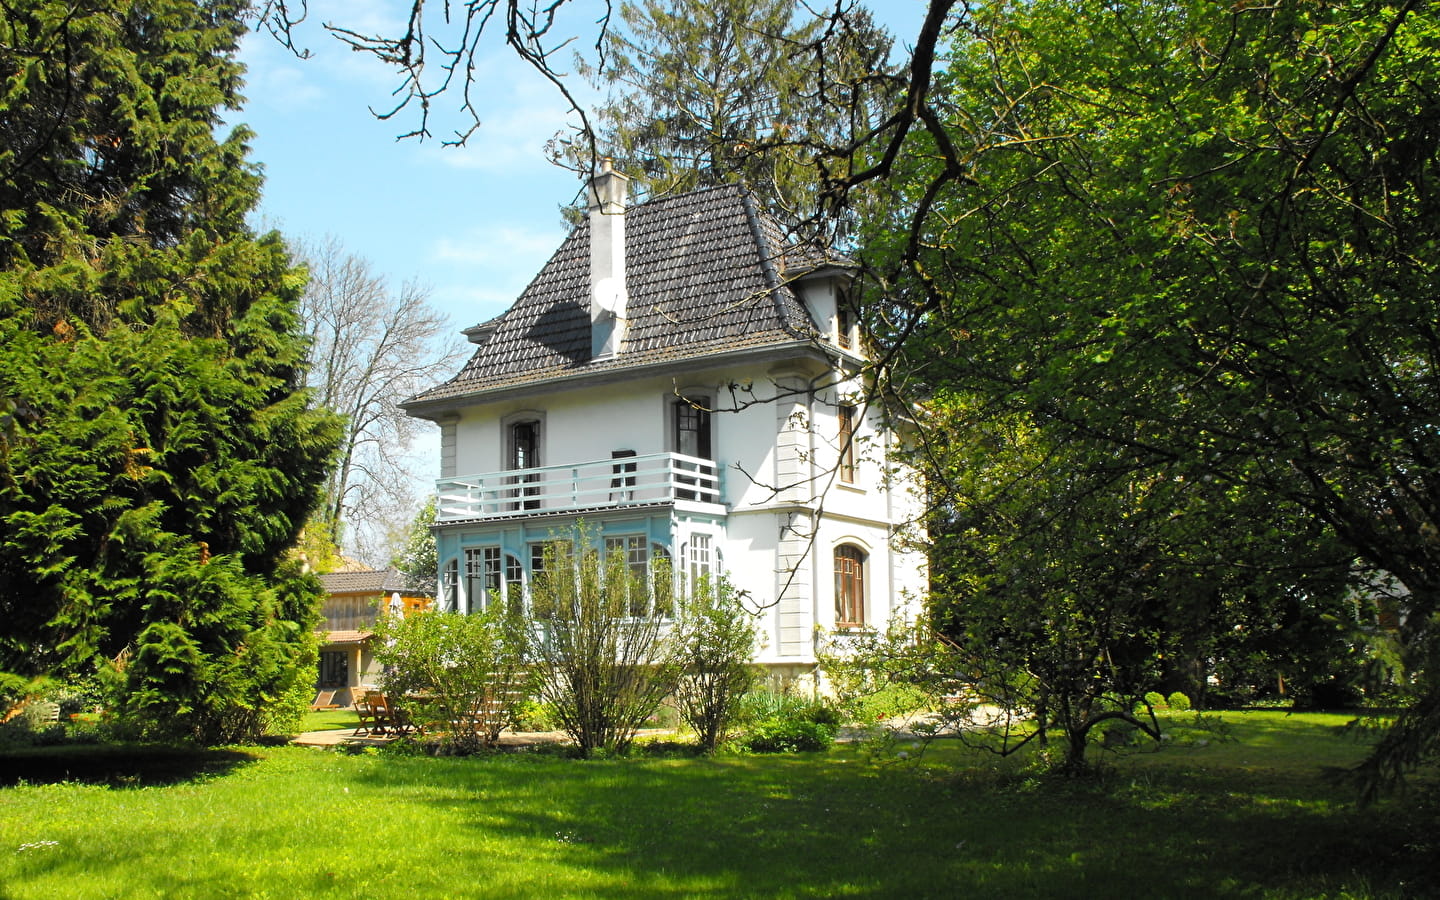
618 482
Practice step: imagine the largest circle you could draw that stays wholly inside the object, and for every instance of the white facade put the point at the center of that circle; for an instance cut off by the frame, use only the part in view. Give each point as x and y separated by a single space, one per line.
736 459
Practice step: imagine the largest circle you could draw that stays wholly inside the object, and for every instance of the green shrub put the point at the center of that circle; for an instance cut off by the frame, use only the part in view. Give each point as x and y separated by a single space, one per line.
715 638
788 735
784 722
762 705
466 670
1178 702
532 715
1155 699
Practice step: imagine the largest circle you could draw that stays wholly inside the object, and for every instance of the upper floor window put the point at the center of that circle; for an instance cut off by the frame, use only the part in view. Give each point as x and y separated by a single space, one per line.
691 436
524 444
692 427
846 415
523 452
849 586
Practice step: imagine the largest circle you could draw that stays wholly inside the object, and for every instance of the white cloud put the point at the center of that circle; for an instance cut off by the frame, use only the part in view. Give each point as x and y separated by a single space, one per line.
500 246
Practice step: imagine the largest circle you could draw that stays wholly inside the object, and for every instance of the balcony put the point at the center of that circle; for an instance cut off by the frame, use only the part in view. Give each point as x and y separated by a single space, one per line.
656 479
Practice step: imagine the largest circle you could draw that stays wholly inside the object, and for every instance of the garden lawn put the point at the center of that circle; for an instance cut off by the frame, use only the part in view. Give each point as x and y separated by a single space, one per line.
1250 818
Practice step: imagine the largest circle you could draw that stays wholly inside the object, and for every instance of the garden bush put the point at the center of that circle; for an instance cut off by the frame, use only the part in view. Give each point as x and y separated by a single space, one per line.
787 735
783 722
604 658
470 670
715 637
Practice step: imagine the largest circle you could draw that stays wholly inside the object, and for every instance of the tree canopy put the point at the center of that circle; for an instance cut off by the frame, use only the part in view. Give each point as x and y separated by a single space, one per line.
1204 237
703 93
159 455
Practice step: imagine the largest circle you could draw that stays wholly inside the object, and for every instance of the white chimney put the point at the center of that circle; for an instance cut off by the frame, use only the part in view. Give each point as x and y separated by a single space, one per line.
608 193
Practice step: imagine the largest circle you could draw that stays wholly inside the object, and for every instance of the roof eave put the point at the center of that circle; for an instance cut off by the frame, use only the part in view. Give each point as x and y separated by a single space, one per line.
441 408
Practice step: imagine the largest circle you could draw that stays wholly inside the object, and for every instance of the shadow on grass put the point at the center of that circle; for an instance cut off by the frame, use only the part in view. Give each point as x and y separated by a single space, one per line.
831 826
121 766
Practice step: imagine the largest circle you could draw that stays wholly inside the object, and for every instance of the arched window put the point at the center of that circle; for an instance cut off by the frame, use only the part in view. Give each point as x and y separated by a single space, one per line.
849 586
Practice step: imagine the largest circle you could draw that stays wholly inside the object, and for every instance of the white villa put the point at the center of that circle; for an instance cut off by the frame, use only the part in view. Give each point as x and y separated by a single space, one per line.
689 386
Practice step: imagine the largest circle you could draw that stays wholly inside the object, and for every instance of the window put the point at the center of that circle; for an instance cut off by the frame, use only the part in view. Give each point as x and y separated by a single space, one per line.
699 559
514 584
450 585
334 668
635 550
847 444
622 485
849 586
559 551
691 437
523 439
482 575
843 324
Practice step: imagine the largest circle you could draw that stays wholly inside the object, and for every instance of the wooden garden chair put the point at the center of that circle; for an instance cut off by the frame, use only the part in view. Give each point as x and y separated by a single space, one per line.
371 712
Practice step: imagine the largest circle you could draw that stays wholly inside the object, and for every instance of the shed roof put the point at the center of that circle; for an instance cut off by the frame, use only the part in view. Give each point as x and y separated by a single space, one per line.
706 274
369 581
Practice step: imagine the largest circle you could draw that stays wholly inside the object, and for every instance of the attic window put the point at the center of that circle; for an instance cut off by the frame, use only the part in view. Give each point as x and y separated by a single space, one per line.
843 325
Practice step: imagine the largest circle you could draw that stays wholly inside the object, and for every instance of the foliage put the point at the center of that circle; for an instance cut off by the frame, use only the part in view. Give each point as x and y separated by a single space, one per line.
603 658
715 640
788 735
468 672
371 347
534 716
1197 238
419 559
158 457
785 722
704 93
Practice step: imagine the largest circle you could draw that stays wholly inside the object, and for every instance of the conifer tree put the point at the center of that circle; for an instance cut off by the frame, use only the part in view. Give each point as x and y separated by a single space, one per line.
705 93
158 456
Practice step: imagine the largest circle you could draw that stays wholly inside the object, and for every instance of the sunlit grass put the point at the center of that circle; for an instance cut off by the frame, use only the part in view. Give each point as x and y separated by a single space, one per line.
1252 817
329 719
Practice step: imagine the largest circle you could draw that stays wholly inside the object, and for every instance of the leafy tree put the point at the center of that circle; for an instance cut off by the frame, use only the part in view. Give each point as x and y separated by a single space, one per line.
715 643
469 671
159 456
1072 579
1200 235
419 558
371 347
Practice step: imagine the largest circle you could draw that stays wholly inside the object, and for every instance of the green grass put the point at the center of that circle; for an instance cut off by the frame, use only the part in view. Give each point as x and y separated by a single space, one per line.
329 719
1249 818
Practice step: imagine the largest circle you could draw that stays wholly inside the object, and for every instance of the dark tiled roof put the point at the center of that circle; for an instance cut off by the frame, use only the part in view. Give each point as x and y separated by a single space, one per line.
705 274
373 581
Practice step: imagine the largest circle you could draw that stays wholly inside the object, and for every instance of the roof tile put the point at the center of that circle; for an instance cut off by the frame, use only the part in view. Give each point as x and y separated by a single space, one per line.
703 275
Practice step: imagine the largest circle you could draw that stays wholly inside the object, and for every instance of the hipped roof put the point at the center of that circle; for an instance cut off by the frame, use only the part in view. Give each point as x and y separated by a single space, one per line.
706 273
